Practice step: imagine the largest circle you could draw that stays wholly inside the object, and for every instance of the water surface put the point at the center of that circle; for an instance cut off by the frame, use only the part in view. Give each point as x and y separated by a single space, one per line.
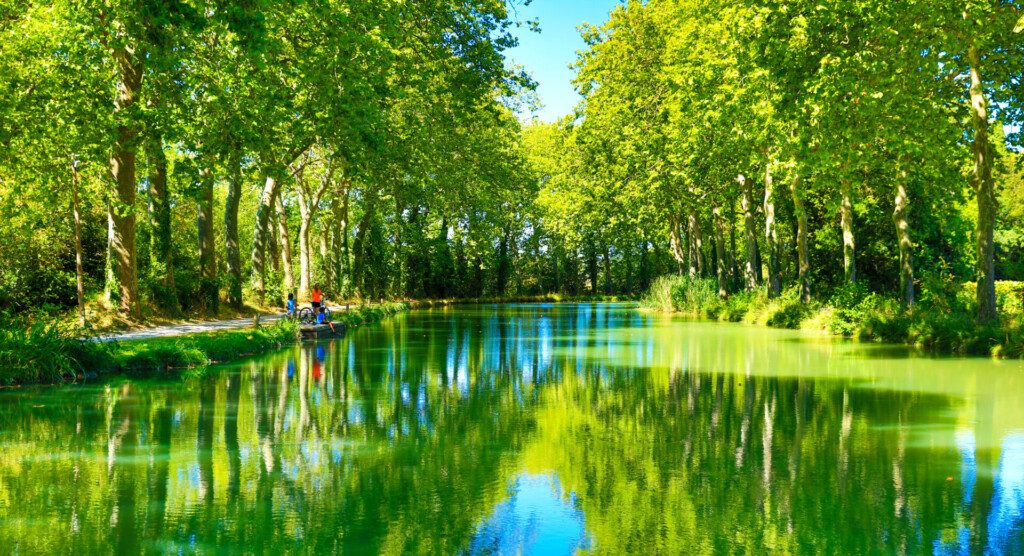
539 429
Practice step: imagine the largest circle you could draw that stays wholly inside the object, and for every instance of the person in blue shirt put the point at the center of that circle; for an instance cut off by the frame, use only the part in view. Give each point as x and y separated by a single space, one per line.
291 305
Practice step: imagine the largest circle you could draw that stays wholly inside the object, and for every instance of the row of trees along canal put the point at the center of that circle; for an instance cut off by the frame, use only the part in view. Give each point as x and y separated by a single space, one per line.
768 144
803 142
383 129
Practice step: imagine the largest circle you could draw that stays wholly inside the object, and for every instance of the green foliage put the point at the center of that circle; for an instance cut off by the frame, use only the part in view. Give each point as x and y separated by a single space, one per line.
147 356
47 352
43 351
692 296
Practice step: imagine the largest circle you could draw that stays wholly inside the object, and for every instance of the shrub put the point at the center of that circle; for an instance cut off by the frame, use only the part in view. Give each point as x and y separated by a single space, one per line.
659 295
697 297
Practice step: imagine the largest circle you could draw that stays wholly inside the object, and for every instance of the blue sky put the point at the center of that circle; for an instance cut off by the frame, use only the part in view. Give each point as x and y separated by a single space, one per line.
547 55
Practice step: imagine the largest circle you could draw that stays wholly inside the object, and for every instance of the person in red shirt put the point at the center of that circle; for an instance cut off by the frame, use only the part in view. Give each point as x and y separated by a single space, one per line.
317 297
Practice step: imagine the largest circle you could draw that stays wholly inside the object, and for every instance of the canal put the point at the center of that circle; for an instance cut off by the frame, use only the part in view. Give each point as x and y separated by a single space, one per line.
539 429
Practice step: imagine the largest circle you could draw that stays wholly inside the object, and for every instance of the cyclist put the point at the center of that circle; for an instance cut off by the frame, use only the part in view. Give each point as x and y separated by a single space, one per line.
317 297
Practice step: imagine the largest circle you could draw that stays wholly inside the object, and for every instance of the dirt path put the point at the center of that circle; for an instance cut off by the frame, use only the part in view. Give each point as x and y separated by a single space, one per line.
173 330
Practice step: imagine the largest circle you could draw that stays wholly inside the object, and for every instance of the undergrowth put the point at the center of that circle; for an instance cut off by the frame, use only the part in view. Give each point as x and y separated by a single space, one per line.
50 352
941 322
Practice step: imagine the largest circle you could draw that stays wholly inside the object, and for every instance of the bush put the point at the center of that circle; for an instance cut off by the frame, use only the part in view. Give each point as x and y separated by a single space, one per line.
659 296
737 305
697 297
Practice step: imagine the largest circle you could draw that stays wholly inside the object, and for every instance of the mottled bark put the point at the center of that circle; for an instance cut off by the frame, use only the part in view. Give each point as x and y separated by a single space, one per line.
752 269
261 234
696 258
76 215
261 228
771 234
111 289
207 246
676 242
732 253
345 251
846 223
359 246
285 245
325 257
723 275
336 232
305 256
232 253
309 201
121 211
607 270
899 219
160 246
984 188
803 259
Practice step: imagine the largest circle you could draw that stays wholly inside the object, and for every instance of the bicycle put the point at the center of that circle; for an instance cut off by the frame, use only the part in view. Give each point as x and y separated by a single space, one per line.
308 316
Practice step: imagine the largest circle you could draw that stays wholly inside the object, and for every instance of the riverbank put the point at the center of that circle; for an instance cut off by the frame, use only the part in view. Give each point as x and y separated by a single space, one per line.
43 352
942 322
545 298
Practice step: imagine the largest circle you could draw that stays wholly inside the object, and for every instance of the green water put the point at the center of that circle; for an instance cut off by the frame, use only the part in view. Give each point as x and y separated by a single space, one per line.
530 428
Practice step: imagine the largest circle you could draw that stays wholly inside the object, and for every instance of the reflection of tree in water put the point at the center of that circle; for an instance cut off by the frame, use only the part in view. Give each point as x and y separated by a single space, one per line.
727 462
406 439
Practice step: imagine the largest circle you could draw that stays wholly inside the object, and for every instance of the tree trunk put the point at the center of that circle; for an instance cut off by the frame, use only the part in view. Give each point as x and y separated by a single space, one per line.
899 218
334 254
111 289
984 188
771 235
696 246
274 241
752 271
305 256
628 286
79 273
591 265
803 260
607 270
325 258
503 264
731 252
260 235
359 260
285 246
207 245
122 167
346 259
676 242
231 250
309 201
723 277
846 222
161 249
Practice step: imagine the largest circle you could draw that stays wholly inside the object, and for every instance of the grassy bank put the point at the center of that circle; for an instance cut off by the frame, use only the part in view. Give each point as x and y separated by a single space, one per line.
942 322
546 298
42 352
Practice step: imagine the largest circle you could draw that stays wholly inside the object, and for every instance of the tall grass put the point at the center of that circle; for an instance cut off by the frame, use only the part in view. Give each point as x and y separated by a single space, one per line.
942 321
43 352
697 297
